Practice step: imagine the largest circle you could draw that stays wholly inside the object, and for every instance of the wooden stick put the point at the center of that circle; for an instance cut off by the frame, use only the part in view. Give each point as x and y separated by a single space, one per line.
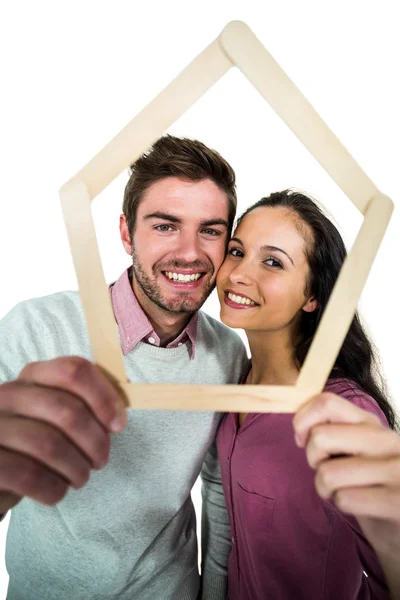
170 104
262 70
223 398
342 304
94 293
236 45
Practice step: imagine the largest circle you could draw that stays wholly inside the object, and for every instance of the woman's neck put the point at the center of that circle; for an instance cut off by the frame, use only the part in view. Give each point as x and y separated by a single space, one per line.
272 359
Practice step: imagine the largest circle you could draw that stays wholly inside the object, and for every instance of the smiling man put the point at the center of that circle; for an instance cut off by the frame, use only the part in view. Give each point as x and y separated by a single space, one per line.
130 530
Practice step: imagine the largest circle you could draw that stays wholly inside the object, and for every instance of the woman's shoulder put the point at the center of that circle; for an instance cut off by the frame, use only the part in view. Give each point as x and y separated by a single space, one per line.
351 391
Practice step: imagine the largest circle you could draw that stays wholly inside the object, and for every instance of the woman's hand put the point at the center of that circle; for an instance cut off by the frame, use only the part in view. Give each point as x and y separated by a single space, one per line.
357 464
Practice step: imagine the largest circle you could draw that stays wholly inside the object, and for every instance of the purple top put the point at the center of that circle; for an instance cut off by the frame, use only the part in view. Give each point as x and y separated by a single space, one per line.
288 543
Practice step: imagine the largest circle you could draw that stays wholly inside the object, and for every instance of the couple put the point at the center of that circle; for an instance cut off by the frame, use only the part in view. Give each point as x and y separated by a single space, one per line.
300 508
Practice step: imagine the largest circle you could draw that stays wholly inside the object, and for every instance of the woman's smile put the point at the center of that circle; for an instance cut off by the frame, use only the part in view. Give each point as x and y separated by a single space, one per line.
238 301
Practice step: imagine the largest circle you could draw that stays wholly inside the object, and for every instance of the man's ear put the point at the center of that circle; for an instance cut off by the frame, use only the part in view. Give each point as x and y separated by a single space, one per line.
125 237
311 305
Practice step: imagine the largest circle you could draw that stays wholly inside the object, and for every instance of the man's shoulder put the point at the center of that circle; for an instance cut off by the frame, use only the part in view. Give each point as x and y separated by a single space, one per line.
37 315
40 329
53 304
212 329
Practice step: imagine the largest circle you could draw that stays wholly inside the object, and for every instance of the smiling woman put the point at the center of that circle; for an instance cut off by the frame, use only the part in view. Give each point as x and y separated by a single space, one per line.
281 266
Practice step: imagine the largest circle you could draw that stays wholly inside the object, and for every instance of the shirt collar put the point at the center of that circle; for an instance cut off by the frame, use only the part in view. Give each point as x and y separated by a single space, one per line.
133 324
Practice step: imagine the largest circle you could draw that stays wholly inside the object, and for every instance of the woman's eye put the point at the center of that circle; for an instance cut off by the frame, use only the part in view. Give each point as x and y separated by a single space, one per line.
164 227
273 262
235 252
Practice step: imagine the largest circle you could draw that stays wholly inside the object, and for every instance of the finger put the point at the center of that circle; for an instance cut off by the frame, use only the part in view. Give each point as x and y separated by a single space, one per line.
61 409
324 408
23 476
87 381
362 439
46 445
379 502
339 473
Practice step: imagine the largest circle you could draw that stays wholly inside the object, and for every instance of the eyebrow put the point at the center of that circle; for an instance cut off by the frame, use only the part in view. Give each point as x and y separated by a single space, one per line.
173 219
266 247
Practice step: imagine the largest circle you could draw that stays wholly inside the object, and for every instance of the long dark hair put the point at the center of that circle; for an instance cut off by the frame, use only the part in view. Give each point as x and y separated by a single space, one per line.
357 359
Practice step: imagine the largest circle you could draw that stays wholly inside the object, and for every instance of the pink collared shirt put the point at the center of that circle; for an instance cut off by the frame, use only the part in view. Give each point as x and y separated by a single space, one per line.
133 324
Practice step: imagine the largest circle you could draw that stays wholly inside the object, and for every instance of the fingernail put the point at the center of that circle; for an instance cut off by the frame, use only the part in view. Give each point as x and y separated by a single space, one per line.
101 464
117 424
298 440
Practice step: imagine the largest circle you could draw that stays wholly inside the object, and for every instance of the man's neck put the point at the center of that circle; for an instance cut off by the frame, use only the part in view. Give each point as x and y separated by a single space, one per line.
166 325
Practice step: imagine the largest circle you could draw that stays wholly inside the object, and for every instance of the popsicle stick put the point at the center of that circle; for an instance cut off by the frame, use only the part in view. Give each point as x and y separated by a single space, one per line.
262 70
236 45
95 296
148 125
223 398
342 304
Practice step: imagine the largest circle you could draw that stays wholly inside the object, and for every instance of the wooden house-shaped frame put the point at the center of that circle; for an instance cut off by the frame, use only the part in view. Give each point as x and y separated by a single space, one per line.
235 46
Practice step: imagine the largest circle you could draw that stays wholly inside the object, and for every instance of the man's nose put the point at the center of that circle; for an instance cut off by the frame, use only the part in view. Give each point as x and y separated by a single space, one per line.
189 247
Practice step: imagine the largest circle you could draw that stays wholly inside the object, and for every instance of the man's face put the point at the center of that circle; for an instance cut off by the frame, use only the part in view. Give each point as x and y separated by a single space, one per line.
178 244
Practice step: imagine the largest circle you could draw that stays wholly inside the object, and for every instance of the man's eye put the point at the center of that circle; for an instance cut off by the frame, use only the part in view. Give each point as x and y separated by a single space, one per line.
213 232
164 227
235 252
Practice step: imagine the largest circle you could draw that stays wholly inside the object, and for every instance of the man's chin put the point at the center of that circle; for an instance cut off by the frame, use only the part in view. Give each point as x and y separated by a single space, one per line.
183 307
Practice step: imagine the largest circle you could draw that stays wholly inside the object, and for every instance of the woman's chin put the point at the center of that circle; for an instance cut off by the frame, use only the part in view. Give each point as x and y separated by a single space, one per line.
233 321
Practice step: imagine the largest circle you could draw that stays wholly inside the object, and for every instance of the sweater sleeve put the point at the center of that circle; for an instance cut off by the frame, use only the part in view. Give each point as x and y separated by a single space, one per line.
22 340
215 538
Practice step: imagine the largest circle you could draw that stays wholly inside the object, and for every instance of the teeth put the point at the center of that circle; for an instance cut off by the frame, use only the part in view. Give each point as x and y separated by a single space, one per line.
240 299
181 277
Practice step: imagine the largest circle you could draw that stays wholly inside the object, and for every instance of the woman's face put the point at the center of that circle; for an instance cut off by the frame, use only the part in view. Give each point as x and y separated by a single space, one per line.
262 282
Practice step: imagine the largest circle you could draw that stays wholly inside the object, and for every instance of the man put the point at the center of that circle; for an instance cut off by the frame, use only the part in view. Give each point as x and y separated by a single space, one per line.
129 531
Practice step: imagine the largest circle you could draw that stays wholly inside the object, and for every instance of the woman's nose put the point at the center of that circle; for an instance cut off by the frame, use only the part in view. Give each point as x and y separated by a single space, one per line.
241 274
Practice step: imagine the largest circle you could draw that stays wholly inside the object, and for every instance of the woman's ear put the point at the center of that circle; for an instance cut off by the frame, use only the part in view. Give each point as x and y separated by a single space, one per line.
311 305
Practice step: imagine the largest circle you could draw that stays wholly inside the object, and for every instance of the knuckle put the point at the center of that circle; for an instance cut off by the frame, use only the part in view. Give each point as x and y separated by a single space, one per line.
328 401
51 445
341 499
318 437
73 369
27 370
70 415
104 448
326 475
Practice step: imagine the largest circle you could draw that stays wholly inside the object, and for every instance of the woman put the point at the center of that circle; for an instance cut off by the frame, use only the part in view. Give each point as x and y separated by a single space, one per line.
288 542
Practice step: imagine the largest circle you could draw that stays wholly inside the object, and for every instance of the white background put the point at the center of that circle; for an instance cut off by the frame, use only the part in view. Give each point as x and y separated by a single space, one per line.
74 73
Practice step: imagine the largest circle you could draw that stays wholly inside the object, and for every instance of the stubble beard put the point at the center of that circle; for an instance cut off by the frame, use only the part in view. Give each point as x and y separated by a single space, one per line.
149 286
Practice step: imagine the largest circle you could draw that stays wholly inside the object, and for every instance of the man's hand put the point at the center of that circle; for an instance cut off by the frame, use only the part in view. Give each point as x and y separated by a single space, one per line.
357 463
55 425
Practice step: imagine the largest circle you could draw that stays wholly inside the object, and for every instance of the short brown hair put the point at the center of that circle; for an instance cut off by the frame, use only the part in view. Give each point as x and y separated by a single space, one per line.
177 157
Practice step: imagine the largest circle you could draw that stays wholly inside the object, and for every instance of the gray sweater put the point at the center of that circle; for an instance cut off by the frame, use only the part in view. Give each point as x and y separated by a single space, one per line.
130 533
